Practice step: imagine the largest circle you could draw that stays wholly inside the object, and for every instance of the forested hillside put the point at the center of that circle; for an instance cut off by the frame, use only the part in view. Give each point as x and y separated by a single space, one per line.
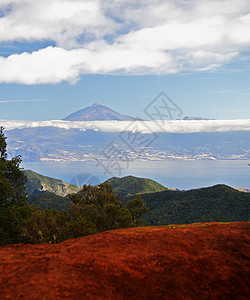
219 203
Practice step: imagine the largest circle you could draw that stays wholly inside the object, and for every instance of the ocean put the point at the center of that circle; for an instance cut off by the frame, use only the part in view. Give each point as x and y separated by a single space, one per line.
175 174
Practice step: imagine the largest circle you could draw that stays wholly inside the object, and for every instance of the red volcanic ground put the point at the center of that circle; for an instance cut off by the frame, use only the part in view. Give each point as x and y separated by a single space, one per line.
199 261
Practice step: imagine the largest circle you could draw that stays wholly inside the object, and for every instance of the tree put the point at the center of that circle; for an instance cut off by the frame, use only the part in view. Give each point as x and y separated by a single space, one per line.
137 209
49 226
99 207
92 210
13 205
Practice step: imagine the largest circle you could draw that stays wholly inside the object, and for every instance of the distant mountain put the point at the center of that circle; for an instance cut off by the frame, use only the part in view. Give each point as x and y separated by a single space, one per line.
219 203
38 184
97 112
130 185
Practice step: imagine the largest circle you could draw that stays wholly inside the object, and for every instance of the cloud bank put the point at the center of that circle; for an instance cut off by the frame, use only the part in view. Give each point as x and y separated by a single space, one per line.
176 126
120 37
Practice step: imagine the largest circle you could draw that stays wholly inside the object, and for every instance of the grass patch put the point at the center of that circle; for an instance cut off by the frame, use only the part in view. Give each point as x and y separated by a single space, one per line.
187 226
173 226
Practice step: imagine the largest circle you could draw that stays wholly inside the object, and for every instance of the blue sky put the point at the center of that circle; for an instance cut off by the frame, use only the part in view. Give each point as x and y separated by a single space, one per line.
58 56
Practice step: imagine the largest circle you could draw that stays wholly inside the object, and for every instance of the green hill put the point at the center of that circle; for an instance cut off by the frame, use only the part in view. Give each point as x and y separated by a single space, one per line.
38 184
130 185
219 203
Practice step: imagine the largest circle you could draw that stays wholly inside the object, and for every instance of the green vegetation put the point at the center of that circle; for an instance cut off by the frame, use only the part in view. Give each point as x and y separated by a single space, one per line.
49 226
92 210
219 203
214 204
100 207
129 186
37 183
198 225
13 206
137 209
48 201
188 225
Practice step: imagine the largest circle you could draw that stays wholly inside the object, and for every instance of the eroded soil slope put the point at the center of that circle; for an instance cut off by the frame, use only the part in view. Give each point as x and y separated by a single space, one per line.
199 261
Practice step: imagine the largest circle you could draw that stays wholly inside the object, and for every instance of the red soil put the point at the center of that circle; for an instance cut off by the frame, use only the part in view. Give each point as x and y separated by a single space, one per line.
195 262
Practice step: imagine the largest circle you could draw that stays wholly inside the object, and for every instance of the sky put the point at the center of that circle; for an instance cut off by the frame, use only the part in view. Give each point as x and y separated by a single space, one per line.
59 56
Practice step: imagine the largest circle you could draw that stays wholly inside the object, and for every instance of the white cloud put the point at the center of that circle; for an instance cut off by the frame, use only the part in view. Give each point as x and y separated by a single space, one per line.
62 21
50 65
120 36
53 64
176 126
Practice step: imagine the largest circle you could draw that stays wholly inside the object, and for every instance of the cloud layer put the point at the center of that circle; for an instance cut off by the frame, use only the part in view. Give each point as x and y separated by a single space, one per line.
120 37
176 126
